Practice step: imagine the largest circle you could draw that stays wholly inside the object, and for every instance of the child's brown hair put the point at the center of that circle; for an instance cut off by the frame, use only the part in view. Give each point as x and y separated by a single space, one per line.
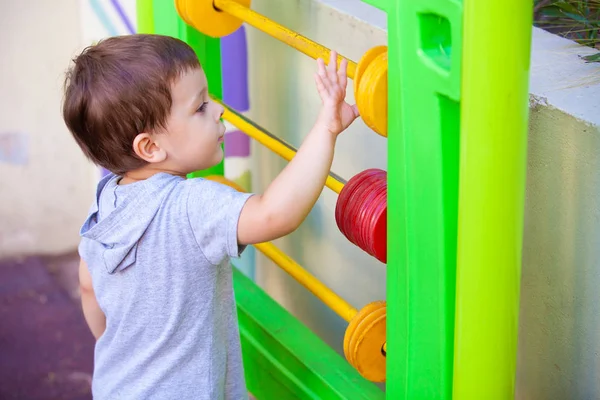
119 88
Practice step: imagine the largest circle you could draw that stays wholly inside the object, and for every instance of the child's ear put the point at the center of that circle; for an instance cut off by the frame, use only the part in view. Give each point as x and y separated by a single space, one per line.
147 149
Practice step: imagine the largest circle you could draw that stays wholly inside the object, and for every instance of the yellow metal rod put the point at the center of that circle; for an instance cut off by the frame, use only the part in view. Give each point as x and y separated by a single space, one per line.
340 306
326 295
291 38
316 287
273 143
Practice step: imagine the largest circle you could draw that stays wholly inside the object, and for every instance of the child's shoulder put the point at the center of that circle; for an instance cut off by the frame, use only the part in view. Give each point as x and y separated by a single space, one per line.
166 189
211 188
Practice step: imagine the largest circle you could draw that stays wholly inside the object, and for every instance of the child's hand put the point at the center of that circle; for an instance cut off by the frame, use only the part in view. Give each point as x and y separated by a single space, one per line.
336 115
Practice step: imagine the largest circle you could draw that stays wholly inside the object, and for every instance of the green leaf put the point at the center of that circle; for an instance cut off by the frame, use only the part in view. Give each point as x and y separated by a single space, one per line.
592 58
553 11
577 17
567 7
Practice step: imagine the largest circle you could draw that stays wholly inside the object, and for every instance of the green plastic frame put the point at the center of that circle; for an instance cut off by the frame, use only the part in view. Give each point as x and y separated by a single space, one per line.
424 74
457 131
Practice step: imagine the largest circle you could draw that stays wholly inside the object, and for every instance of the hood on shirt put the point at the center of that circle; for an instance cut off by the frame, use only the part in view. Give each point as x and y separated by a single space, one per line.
114 239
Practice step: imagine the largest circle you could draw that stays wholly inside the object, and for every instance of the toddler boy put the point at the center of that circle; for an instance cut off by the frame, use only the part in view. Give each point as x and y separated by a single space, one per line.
155 272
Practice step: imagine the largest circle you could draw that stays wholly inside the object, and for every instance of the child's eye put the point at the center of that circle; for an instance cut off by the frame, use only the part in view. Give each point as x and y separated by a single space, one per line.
202 108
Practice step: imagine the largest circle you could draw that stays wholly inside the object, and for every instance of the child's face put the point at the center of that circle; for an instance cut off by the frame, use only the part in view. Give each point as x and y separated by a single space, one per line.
194 129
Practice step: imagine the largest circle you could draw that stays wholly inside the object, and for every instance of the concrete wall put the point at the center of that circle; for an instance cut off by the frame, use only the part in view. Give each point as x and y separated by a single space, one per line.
45 183
559 351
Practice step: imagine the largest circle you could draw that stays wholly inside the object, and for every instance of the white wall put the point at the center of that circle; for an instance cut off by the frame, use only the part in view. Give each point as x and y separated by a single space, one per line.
45 183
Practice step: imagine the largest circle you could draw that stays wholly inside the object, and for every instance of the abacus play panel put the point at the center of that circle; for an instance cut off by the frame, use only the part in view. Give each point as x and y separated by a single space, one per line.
449 92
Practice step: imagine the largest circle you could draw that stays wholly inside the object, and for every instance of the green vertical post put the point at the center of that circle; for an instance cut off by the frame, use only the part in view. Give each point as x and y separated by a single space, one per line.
424 53
492 186
145 16
166 21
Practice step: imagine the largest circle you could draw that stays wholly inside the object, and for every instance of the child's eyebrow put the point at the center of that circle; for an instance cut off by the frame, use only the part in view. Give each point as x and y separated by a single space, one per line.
199 95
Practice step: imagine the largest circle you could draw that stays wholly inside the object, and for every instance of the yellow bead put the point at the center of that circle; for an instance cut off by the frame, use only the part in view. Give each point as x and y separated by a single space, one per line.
364 62
371 89
202 15
364 340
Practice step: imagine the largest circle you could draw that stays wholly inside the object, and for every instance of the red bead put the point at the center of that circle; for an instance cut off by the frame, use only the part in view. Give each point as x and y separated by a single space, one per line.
361 212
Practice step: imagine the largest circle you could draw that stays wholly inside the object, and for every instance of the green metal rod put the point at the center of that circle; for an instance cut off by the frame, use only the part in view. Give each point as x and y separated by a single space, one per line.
493 147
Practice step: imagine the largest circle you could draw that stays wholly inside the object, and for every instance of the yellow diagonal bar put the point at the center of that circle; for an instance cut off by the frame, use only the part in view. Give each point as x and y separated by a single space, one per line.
326 295
273 143
291 38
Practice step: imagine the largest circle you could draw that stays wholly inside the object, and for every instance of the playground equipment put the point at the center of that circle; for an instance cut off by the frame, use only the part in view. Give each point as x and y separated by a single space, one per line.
455 82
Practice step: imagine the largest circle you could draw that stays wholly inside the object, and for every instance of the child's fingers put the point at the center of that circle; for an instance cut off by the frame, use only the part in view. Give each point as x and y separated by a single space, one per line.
321 87
342 73
321 67
332 67
324 79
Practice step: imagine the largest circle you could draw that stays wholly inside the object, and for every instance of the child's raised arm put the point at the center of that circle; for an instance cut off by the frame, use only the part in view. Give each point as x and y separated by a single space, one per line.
290 197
